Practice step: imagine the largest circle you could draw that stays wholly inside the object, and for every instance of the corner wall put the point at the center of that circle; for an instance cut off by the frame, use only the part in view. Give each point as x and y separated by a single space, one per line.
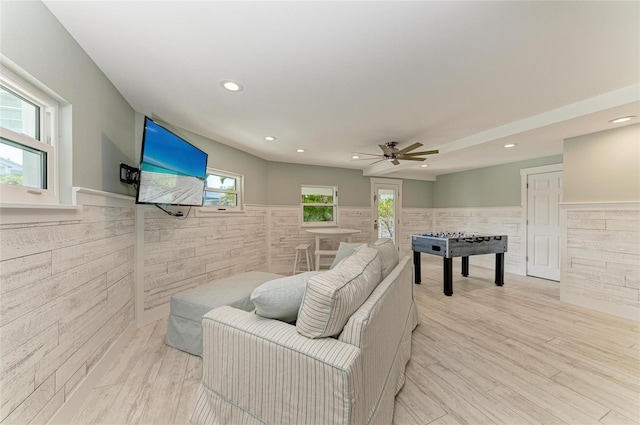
600 220
67 298
99 129
67 285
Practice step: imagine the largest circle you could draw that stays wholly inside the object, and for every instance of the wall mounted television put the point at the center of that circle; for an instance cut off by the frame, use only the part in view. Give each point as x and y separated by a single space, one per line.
172 170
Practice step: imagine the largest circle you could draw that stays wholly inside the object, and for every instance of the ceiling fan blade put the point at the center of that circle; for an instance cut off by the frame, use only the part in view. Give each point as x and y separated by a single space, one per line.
386 149
413 158
423 153
366 153
395 162
380 160
410 148
363 159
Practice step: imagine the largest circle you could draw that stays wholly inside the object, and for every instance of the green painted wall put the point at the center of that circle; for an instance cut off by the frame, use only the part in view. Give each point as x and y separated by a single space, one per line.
354 189
100 133
285 180
496 186
603 166
417 194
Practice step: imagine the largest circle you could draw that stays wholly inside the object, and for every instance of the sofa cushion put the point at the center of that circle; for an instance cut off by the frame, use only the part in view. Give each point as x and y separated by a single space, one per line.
345 250
281 298
333 296
388 254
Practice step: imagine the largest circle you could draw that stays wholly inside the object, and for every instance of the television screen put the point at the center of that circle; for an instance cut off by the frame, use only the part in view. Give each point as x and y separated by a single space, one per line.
172 170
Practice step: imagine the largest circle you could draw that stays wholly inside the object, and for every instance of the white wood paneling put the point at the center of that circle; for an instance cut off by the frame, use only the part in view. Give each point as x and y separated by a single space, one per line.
181 253
285 233
67 296
601 257
415 221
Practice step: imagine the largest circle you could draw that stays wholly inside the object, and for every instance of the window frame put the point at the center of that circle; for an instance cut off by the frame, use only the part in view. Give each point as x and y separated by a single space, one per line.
334 204
48 131
239 192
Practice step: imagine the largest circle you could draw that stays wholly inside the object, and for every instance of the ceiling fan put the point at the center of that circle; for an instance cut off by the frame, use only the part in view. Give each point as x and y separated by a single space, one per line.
394 155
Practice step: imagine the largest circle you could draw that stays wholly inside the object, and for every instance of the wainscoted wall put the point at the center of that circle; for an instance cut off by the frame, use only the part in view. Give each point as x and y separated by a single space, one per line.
67 293
285 233
494 220
601 257
181 253
414 221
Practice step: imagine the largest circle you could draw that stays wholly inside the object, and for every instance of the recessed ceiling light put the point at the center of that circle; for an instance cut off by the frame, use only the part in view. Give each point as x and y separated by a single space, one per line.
270 138
230 85
424 165
622 119
355 157
300 150
510 145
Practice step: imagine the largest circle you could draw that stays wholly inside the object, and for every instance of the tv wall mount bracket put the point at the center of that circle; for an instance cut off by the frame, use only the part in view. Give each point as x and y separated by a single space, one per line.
129 174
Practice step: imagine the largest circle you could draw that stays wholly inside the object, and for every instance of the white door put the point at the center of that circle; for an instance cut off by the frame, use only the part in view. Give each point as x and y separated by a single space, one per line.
544 193
386 209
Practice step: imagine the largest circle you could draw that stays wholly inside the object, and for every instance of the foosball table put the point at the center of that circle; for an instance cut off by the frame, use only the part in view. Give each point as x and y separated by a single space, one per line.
449 245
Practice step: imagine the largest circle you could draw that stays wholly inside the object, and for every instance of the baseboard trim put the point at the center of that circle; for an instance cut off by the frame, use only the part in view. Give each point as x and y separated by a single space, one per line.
68 410
153 315
612 308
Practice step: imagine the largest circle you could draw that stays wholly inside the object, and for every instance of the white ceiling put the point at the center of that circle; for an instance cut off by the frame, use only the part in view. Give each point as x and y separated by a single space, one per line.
342 77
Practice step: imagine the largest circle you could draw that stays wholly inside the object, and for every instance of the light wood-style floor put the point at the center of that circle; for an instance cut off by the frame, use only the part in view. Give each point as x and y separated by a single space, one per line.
511 355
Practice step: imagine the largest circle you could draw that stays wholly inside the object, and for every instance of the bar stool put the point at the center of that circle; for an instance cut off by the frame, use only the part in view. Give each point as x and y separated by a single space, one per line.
302 247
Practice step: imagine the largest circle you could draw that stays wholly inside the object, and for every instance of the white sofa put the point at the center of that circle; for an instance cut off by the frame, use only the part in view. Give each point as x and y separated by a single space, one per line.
264 371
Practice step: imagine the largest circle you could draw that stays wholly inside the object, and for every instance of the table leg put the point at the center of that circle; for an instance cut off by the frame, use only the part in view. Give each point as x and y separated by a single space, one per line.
500 269
317 250
465 266
448 276
417 268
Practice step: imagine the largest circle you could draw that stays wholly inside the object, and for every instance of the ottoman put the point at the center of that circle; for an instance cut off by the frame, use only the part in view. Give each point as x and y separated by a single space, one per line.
184 329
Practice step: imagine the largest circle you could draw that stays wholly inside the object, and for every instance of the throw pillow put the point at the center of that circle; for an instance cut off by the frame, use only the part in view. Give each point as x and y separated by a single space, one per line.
344 250
333 296
388 254
281 298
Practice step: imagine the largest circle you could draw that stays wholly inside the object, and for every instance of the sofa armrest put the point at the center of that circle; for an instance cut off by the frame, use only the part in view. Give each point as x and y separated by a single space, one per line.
261 370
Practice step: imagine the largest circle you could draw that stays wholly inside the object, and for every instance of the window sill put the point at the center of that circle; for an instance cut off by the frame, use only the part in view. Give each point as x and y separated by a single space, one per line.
318 224
16 213
208 211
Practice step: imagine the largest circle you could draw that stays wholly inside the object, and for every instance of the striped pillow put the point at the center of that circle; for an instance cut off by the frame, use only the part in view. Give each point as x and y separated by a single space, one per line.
333 296
388 254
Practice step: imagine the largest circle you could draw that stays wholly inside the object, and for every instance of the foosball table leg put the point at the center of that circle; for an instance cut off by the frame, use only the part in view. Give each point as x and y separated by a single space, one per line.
417 269
500 269
465 266
448 276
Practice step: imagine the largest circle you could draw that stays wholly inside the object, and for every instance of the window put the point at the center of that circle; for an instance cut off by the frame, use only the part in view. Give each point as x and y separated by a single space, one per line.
223 190
28 126
319 205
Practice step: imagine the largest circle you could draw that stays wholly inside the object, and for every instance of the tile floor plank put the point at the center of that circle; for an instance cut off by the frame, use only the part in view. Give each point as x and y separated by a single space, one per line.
515 355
